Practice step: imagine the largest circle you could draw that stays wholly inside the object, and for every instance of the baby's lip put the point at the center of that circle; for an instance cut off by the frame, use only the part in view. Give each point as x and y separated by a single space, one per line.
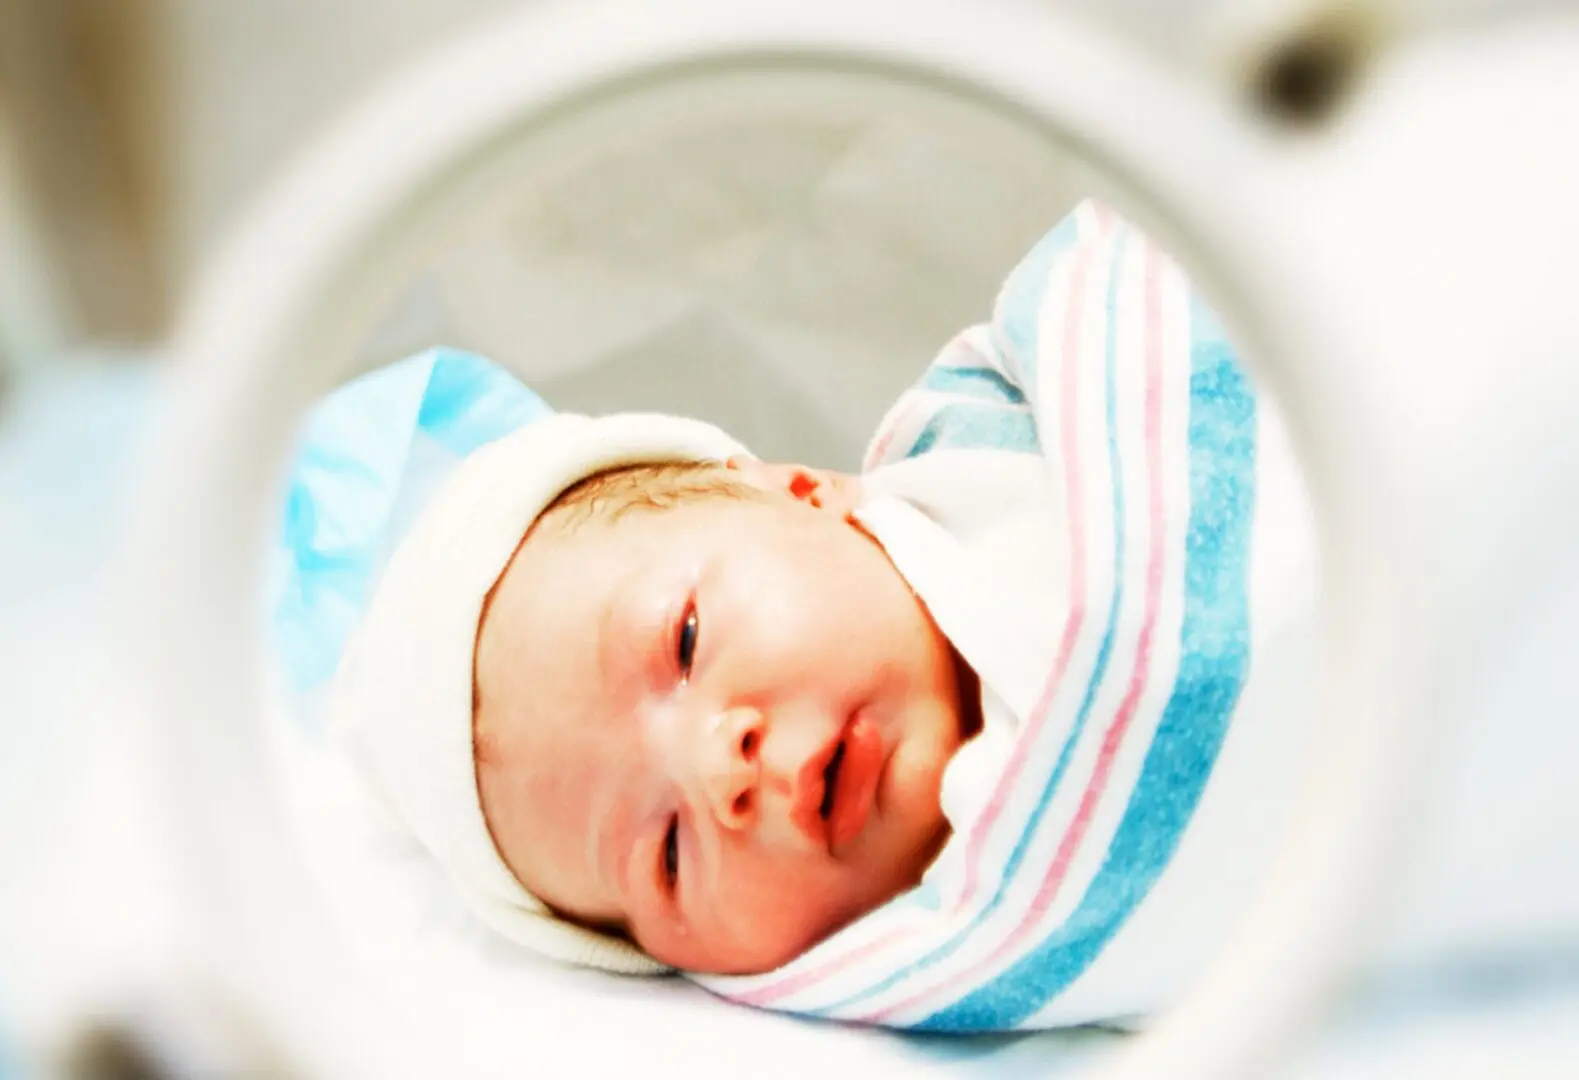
810 787
855 789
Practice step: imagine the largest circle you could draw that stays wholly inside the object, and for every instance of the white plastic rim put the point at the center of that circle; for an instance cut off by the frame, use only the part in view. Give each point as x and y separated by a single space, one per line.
271 323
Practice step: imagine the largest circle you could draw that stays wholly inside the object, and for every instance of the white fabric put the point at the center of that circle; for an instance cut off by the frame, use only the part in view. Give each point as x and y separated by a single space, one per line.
401 704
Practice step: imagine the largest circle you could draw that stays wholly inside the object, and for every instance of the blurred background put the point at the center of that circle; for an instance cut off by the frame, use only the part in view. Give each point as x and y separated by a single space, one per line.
784 276
832 254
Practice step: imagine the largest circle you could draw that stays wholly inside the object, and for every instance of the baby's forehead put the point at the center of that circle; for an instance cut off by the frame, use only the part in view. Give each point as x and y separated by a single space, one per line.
584 547
571 583
545 591
538 643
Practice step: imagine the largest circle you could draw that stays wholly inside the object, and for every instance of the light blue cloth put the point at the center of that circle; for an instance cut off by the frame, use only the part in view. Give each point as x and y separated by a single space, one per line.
370 456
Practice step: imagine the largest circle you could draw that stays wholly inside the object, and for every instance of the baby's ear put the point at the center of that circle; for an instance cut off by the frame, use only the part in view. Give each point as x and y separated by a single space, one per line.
835 492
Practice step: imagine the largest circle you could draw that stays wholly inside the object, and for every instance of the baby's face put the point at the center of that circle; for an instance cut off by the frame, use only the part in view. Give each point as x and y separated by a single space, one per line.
721 726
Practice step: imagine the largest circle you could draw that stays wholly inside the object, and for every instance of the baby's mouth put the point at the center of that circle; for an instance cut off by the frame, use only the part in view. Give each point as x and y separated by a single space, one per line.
830 782
838 786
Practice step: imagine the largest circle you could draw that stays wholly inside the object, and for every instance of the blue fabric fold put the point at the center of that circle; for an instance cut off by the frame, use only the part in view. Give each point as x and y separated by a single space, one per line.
368 457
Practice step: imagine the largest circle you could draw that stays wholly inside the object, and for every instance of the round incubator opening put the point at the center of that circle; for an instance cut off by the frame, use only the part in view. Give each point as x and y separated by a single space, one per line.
773 226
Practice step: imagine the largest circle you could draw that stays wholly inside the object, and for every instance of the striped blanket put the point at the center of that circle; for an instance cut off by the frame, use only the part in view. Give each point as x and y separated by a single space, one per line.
1089 460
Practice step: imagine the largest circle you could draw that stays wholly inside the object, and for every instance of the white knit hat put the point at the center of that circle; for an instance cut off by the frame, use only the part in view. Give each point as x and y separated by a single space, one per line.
402 698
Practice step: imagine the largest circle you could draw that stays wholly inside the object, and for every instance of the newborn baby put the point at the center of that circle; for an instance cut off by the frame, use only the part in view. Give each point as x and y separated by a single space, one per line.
703 713
651 703
711 714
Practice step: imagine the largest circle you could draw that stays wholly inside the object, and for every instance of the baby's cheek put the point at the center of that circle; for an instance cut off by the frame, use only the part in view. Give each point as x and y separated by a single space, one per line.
781 618
783 912
917 776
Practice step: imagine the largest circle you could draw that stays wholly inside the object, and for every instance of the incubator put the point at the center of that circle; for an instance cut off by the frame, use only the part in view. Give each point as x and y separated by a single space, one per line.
711 206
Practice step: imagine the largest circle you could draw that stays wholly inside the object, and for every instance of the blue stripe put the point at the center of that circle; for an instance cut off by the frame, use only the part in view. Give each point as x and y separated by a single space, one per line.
1066 753
470 402
981 383
1215 654
963 425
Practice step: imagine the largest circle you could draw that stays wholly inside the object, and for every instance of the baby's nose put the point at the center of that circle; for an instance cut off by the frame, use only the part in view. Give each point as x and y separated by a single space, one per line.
733 773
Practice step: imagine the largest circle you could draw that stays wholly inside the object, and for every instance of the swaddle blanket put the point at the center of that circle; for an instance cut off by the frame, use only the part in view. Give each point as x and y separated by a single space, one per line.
1073 491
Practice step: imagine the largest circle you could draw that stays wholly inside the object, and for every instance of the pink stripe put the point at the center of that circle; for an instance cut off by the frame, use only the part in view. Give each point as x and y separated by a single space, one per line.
1077 567
1114 736
763 995
1074 330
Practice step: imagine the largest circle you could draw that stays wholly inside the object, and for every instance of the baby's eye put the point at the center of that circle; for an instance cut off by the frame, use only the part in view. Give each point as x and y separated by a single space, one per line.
671 853
686 647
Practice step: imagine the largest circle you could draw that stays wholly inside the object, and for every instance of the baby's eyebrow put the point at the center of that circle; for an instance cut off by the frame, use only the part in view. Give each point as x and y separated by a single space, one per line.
612 644
632 635
605 634
612 629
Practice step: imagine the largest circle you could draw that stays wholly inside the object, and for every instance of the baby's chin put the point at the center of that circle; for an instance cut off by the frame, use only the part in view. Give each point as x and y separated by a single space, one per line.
766 953
879 885
879 872
907 840
913 795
